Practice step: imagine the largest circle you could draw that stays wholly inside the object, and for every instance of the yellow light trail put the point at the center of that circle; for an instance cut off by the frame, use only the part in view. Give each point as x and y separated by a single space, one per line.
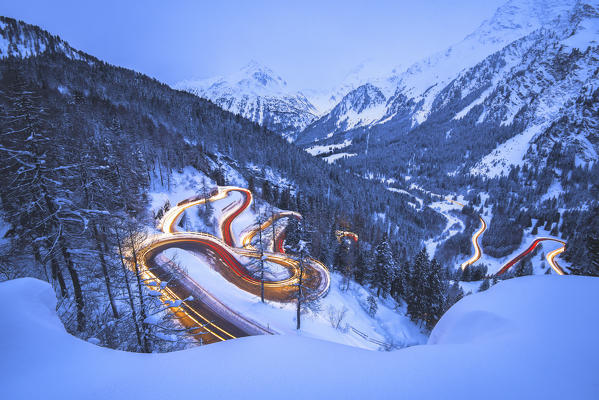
477 251
550 259
170 295
168 226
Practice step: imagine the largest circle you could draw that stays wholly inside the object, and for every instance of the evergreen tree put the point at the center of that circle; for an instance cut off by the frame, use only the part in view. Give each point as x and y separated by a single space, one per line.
434 296
372 306
384 267
454 294
484 286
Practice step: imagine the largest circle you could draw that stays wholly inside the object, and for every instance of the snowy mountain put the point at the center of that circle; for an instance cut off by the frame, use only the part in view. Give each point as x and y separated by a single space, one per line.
258 94
366 72
360 107
529 74
417 87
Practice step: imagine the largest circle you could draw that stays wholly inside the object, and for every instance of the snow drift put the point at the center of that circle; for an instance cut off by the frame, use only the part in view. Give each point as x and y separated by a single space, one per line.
532 337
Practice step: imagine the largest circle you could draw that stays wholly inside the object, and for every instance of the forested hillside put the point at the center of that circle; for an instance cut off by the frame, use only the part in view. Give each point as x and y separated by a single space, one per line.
81 141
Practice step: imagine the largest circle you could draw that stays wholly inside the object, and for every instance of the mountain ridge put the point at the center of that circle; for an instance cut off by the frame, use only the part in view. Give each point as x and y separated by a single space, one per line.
259 94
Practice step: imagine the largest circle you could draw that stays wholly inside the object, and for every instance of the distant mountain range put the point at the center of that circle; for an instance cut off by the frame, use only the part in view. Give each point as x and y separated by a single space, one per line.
532 66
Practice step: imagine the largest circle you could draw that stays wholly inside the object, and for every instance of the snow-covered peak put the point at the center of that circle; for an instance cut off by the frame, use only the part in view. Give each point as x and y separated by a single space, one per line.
253 79
367 72
258 75
363 97
257 93
515 19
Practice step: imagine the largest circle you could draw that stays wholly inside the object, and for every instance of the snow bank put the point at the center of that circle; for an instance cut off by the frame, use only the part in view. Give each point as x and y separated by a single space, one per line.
532 337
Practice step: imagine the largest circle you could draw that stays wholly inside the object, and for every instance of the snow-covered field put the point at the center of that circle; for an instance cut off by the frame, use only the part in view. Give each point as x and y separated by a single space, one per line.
532 337
319 149
334 157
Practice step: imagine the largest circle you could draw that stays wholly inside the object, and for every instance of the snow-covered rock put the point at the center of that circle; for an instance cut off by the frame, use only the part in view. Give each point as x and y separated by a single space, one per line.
359 107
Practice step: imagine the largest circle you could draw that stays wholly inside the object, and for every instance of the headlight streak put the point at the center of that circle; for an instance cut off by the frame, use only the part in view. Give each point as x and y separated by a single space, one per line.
224 248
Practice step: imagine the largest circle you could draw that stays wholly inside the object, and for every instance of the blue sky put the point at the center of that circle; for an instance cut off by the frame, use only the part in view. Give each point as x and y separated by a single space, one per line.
309 43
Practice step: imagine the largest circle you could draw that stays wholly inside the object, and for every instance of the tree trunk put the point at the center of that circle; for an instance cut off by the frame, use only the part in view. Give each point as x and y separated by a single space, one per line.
130 295
79 302
57 273
115 312
261 261
299 293
142 307
38 260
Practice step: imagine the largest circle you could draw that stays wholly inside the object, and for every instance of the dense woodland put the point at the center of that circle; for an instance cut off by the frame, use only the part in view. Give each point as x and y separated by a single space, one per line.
439 163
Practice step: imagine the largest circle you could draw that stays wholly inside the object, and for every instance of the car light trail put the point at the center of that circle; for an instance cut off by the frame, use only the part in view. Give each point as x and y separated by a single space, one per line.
550 256
224 248
341 234
477 250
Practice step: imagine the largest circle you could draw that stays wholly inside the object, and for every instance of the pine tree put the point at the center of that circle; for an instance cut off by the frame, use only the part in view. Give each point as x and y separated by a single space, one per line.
413 284
361 271
372 306
384 267
435 289
484 286
524 267
454 294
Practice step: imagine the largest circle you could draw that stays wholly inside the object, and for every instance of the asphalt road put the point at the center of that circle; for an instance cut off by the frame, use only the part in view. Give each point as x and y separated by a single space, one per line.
222 323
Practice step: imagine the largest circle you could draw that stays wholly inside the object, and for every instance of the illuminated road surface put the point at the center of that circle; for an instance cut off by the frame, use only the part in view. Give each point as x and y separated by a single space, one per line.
223 323
351 235
550 256
477 250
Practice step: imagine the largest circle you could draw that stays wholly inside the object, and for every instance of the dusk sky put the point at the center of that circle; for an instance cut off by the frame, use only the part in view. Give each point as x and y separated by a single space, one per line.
311 44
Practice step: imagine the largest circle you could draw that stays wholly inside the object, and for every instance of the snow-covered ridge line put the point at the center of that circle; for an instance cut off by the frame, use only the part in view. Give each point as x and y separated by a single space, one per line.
21 40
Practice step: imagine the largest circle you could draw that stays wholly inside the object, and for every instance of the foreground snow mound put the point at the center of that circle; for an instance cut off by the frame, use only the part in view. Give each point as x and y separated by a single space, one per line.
532 337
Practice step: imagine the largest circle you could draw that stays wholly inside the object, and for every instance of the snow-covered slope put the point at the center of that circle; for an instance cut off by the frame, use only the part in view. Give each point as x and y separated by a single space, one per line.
18 39
417 87
548 83
532 337
259 94
527 79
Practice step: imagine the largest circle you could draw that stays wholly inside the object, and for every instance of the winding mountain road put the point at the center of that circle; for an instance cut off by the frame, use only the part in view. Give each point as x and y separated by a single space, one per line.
550 256
219 321
478 251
